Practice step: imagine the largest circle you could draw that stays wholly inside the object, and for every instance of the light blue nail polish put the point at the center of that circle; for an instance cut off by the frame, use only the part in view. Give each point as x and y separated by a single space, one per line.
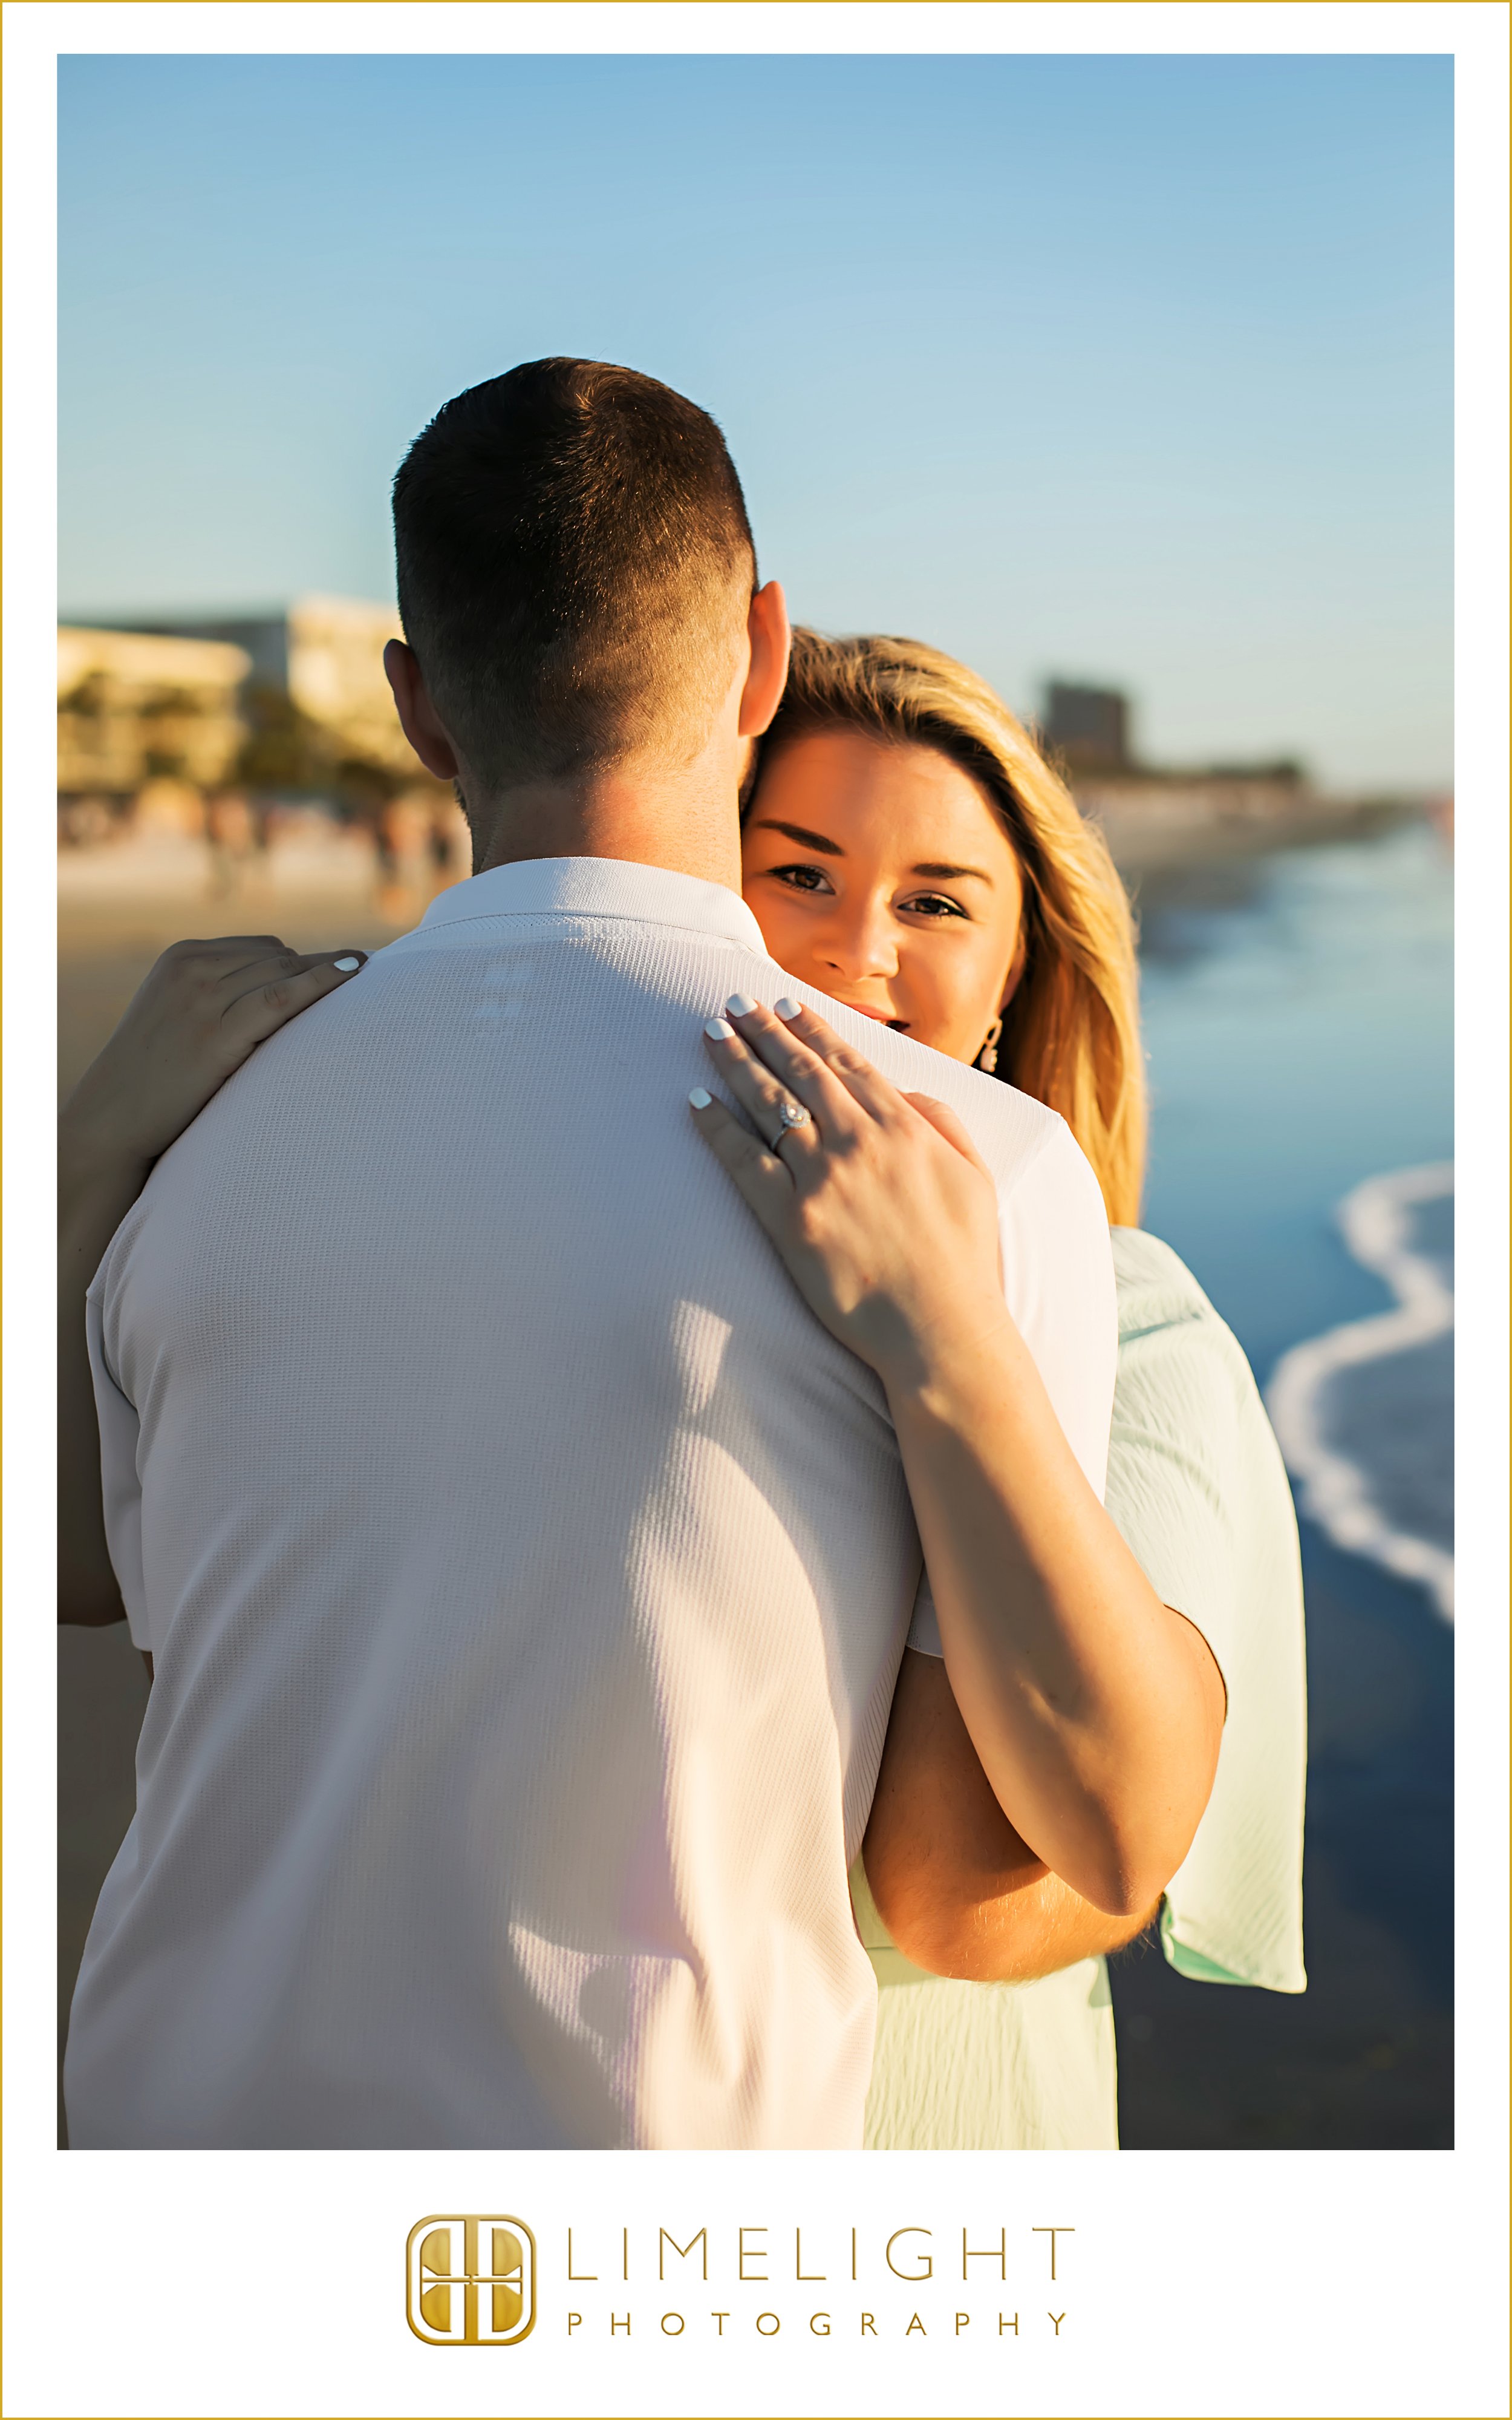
738 1005
716 1029
788 1009
347 966
700 1099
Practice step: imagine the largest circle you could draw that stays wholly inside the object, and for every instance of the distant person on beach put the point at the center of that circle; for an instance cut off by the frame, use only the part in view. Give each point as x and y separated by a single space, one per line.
525 1550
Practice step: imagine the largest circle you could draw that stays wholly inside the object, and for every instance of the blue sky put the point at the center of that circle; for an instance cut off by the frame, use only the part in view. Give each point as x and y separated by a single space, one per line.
1135 369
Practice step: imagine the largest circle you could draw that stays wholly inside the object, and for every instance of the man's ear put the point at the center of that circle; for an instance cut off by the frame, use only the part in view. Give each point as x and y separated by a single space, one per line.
418 718
771 644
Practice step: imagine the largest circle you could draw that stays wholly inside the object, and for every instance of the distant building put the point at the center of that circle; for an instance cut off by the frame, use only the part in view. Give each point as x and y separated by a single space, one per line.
263 638
1148 813
134 708
1087 728
253 738
324 658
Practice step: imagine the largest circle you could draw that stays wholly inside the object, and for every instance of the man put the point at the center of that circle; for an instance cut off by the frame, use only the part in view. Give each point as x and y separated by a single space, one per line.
525 1571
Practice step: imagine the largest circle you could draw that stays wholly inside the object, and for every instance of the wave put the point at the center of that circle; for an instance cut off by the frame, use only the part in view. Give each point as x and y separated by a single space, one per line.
1365 1412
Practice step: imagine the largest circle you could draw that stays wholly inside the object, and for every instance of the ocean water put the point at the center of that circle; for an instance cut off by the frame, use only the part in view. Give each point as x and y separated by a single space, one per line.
1298 1016
1301 1052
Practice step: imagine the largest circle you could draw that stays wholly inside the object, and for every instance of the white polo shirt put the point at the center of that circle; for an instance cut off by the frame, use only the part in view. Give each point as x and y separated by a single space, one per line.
526 1570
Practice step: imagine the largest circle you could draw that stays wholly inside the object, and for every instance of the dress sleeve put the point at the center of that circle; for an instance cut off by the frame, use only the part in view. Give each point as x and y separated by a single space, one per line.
1197 1488
1057 1276
121 1489
1172 1456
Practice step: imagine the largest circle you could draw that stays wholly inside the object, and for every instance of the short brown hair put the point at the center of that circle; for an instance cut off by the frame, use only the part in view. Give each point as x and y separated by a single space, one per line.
574 563
1071 1031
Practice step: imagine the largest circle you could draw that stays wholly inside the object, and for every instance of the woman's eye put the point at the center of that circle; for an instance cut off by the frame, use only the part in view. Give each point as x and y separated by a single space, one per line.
931 902
800 877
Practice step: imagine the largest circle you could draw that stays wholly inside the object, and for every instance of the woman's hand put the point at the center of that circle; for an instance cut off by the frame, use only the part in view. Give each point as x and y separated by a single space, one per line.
201 1012
883 1213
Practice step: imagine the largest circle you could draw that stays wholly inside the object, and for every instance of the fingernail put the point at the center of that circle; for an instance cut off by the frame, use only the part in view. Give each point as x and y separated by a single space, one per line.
716 1029
700 1099
788 1009
348 965
738 1005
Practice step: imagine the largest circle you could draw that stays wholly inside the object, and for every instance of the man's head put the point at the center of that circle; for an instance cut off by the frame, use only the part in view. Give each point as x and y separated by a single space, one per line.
576 573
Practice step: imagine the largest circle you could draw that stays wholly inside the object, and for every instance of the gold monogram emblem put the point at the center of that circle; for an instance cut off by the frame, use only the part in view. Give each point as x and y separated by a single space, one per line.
471 2280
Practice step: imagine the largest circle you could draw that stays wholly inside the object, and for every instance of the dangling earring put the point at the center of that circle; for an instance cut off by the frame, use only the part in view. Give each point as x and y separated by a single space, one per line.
986 1058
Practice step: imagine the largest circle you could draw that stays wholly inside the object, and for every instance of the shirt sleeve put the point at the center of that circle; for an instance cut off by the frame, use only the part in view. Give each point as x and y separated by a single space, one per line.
120 1487
1057 1276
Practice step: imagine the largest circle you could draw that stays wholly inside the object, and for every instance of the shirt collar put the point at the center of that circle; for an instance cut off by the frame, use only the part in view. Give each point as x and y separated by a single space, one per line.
599 886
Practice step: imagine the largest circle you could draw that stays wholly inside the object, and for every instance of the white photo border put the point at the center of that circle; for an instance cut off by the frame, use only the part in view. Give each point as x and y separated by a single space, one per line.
1305 2283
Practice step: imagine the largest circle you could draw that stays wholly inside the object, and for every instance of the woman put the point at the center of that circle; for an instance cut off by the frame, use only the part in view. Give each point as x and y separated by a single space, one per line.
892 763
908 852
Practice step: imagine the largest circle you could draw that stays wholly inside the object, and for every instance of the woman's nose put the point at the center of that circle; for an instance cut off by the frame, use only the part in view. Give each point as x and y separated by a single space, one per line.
860 944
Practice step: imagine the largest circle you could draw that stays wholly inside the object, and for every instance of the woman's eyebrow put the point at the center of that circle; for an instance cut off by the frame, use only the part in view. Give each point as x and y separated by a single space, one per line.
795 831
954 874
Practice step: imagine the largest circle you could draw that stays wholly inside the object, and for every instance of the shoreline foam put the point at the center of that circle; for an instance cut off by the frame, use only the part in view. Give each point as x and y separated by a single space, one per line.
1342 1494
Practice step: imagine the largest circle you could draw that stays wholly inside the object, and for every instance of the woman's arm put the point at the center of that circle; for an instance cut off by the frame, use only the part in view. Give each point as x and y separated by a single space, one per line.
201 1012
954 1883
1096 1713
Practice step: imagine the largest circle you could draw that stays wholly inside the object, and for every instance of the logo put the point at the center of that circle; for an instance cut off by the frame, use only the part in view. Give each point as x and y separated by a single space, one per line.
471 2281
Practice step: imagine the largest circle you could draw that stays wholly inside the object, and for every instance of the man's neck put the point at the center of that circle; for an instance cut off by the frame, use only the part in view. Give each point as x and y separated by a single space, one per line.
661 818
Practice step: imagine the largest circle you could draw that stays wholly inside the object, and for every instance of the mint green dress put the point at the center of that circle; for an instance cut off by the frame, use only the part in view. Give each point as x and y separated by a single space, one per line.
1196 1485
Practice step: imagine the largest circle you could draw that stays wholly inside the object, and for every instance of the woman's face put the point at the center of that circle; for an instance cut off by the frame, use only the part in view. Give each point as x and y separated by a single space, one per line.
880 873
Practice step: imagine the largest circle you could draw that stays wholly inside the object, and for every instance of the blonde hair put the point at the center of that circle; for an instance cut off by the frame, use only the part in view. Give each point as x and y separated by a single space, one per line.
1071 1031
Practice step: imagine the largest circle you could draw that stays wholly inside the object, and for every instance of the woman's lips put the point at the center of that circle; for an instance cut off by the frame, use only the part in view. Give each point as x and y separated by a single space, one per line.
878 1016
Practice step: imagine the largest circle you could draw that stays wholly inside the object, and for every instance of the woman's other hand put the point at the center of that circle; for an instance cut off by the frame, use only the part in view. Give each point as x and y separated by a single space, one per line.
201 1012
881 1209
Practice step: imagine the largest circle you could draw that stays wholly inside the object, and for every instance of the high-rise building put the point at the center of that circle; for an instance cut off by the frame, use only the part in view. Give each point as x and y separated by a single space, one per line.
1087 728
